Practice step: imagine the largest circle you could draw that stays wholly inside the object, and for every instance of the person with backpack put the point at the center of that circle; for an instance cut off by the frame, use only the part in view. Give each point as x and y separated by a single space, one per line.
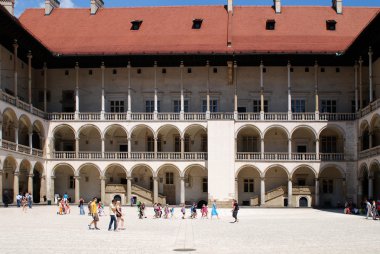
235 210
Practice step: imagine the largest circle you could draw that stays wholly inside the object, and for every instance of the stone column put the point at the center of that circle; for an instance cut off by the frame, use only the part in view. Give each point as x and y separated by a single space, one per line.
155 147
182 111
16 188
356 87
262 149
129 190
52 179
370 187
15 72
77 148
1 186
77 189
1 134
208 90
316 68
290 193
370 54
129 110
43 189
76 91
103 100
262 110
370 137
155 189
103 147
30 80
316 192
129 148
183 190
317 148
361 82
102 188
182 147
290 148
262 192
30 183
30 136
235 92
16 136
289 92
45 87
155 92
237 189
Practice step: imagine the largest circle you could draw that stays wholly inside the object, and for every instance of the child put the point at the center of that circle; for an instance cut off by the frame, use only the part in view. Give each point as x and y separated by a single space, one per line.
204 211
172 212
183 211
166 212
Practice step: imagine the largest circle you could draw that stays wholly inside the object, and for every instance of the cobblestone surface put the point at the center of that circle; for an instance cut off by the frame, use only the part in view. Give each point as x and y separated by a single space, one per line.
41 230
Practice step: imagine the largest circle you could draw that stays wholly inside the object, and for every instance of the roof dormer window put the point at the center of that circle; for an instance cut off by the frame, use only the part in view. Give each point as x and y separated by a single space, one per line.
271 24
197 23
136 24
331 25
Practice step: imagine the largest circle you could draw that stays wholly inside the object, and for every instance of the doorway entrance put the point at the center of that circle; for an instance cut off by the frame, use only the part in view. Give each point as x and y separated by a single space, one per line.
303 202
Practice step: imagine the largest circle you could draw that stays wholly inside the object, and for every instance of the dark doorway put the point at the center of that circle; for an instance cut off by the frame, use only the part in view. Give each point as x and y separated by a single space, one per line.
303 202
117 198
36 187
36 140
68 101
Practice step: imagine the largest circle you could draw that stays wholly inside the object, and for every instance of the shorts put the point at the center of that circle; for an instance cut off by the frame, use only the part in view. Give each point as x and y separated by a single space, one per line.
95 216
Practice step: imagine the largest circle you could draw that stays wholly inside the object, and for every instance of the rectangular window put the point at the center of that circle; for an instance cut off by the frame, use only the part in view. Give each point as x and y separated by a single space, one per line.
328 144
205 185
117 106
204 143
328 186
169 178
328 106
298 106
177 144
71 182
248 144
248 185
177 106
150 144
257 106
214 105
149 106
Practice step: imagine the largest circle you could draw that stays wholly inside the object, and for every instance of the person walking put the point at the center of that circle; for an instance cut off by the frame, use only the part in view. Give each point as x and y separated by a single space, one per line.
235 210
369 208
214 211
18 200
81 206
23 203
112 216
30 200
374 210
183 211
94 213
119 216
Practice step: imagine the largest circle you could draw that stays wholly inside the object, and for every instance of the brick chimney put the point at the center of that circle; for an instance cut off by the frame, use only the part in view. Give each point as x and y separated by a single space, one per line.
9 5
230 6
338 6
50 5
96 5
277 6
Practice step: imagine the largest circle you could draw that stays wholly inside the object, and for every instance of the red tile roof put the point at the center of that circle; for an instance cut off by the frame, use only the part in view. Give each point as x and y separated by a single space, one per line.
167 30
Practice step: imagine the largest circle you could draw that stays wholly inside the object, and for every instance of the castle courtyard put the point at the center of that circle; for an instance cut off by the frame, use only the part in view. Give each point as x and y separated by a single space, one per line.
41 230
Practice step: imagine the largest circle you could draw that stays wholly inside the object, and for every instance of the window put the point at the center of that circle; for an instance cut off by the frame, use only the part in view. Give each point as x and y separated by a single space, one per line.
328 106
331 25
301 182
307 69
298 106
90 72
150 144
149 106
169 178
177 106
136 24
353 106
337 70
248 185
189 70
197 23
117 106
204 143
205 185
328 144
257 106
114 71
248 144
41 96
328 186
271 23
215 70
213 105
163 71
71 182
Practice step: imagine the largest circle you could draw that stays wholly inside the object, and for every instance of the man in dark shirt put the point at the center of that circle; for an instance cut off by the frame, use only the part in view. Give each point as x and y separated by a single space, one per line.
235 210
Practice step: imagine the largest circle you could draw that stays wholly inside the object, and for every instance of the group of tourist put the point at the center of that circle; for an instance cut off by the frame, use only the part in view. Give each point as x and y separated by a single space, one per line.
370 208
24 201
115 212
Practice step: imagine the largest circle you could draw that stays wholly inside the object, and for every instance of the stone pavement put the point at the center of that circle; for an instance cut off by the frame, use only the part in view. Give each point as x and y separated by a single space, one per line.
41 230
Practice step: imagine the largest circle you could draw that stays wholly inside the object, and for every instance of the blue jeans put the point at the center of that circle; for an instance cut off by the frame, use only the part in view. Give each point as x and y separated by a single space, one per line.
18 203
113 220
81 210
30 204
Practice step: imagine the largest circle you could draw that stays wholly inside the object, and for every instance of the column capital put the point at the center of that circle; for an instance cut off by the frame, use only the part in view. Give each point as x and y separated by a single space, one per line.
52 177
16 173
261 64
181 64
15 44
290 179
289 65
317 140
370 52
182 178
30 175
262 178
77 177
156 178
76 66
316 64
129 178
129 65
207 63
316 179
29 55
360 60
102 66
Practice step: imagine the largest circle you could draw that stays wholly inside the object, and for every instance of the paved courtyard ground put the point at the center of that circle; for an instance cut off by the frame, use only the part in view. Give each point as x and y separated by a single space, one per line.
41 230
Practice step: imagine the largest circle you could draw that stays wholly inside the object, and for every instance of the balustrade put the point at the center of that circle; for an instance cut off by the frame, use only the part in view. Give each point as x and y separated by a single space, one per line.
331 156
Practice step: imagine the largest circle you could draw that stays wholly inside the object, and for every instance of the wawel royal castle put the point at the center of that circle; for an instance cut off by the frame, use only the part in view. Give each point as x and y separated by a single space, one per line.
271 105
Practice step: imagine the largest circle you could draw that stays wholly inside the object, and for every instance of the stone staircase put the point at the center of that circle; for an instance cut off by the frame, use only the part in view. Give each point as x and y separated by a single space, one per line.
146 196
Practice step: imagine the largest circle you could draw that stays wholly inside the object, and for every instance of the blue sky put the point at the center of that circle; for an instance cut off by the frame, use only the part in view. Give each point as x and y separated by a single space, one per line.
21 5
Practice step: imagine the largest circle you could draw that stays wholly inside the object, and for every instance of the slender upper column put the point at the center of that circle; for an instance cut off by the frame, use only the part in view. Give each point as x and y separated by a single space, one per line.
45 87
317 148
155 147
370 54
30 79
290 148
16 136
182 110
316 67
262 148
208 90
30 135
316 192
289 90
155 189
262 191
182 147
15 73
290 192
261 90
77 90
77 189
356 87
129 91
129 147
77 148
182 190
103 147
155 91
361 82
103 100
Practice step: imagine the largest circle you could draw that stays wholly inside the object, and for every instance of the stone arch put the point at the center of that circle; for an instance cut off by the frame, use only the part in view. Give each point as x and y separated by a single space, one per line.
38 135
53 172
373 163
24 128
363 168
142 138
141 165
142 176
302 126
86 126
89 181
196 184
64 138
248 126
87 164
304 166
170 184
188 168
375 130
168 126
39 183
116 138
248 178
90 138
134 128
194 136
63 175
168 136
332 186
10 167
116 165
168 165
194 126
248 166
335 136
339 168
303 139
276 138
248 138
10 123
335 127
274 166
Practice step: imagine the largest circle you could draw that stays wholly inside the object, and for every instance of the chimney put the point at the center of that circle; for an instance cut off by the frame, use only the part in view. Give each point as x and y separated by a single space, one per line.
50 5
277 6
230 6
9 5
338 6
96 5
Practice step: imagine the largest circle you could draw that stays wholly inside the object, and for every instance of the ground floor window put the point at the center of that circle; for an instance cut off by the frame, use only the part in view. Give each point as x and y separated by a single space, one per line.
71 182
169 178
205 185
248 185
328 186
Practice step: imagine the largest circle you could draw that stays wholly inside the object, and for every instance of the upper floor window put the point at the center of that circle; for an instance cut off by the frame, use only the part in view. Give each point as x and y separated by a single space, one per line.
177 106
329 144
248 144
248 185
214 105
328 186
298 106
117 106
205 185
149 106
328 106
257 106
